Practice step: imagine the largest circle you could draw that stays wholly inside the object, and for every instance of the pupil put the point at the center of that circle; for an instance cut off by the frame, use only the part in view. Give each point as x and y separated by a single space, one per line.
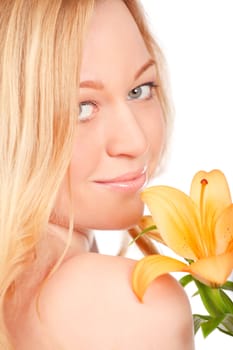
136 92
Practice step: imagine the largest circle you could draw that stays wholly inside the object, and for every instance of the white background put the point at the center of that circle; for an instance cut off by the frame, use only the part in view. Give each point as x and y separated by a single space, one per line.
196 37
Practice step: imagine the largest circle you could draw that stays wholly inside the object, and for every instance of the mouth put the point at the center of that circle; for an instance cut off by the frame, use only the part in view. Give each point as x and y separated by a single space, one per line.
128 182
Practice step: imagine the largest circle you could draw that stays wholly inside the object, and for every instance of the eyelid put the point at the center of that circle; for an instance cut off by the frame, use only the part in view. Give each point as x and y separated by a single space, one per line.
149 83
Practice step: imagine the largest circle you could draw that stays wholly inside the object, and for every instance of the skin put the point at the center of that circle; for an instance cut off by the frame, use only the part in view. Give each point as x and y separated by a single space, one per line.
122 135
88 303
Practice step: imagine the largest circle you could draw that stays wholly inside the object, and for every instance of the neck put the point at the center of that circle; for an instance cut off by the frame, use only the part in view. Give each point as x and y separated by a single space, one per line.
80 240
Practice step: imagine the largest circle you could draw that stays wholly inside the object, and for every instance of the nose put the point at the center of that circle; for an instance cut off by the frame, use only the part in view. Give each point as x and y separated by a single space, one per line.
125 133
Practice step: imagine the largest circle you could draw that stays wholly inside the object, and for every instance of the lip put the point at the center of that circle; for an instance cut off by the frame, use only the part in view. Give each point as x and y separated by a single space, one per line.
129 182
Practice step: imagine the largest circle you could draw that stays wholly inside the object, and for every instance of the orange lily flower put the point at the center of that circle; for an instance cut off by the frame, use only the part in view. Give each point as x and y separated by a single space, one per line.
199 228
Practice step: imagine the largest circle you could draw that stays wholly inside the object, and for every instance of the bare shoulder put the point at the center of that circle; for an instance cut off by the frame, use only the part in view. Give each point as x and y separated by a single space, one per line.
89 304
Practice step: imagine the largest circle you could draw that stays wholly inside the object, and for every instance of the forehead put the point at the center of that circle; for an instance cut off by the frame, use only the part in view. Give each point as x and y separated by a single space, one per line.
113 40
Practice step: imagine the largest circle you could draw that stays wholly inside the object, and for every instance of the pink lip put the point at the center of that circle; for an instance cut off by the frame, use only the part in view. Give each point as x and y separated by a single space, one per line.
129 182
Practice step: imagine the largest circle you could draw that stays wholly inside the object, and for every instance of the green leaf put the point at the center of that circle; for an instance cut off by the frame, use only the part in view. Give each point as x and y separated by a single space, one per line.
228 286
184 281
150 228
227 301
226 325
220 307
207 323
198 320
210 325
195 294
190 261
213 299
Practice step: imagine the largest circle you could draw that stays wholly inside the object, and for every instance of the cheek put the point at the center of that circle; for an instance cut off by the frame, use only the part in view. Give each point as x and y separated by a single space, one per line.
84 159
156 134
158 137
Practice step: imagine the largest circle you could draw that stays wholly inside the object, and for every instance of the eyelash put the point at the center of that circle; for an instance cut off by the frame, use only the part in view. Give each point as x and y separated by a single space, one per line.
151 84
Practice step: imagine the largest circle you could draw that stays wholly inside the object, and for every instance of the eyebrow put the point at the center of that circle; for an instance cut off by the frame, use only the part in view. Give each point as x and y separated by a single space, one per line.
145 66
98 85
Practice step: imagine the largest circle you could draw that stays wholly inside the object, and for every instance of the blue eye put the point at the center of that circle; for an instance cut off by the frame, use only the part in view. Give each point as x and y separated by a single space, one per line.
86 111
142 92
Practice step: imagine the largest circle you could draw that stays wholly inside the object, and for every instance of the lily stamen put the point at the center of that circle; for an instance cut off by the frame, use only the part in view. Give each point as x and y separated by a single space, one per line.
203 183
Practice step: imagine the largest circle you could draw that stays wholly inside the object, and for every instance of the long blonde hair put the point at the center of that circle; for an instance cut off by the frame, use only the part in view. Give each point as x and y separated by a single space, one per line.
40 47
40 55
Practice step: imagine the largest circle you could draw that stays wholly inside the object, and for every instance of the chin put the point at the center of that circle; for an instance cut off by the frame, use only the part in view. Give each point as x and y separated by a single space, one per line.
120 220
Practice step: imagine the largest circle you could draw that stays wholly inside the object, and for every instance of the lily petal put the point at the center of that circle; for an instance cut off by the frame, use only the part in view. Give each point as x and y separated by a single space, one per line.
177 219
216 196
224 231
213 270
151 267
210 192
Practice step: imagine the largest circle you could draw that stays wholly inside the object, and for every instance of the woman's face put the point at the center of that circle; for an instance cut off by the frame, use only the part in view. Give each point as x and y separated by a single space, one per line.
120 129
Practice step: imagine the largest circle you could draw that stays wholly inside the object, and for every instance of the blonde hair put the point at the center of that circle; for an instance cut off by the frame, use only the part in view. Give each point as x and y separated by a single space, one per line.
40 49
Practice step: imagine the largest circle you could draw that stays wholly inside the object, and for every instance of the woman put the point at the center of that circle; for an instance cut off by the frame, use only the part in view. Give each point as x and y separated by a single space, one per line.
84 119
